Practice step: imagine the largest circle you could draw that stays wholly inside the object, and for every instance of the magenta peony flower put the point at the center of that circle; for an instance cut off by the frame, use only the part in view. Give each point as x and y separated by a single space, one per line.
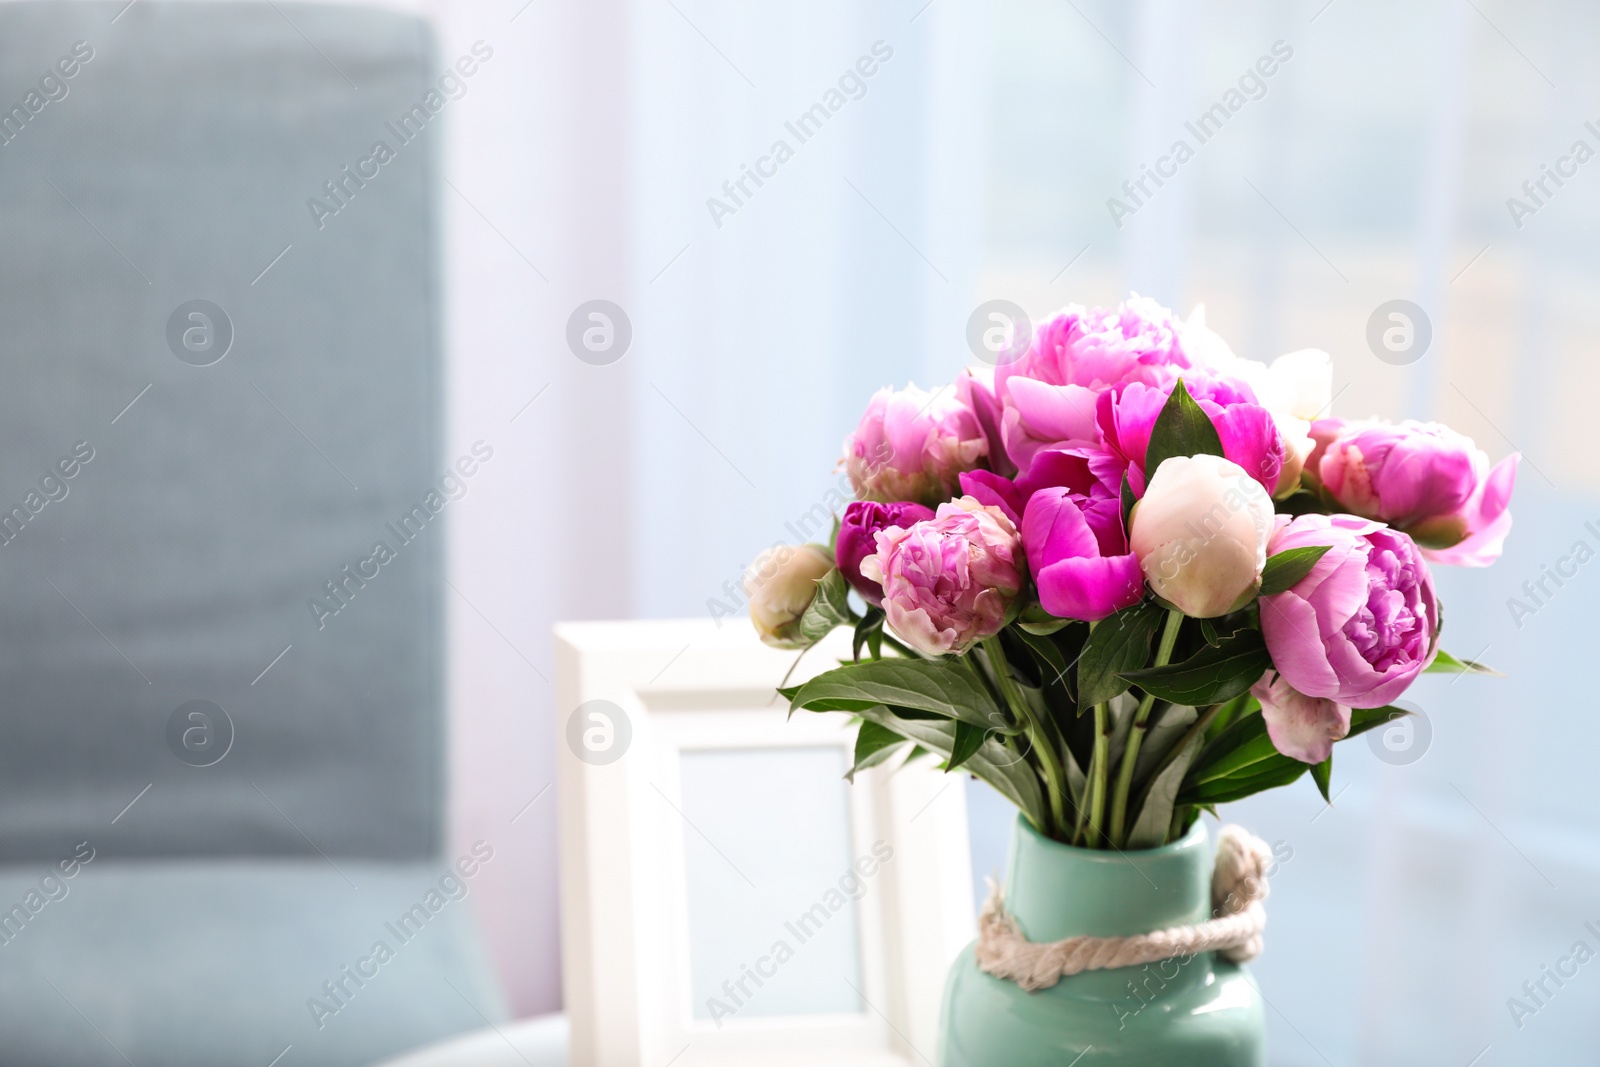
1249 433
913 445
862 520
1093 476
1301 727
1423 478
1363 623
1076 578
991 490
1048 396
949 581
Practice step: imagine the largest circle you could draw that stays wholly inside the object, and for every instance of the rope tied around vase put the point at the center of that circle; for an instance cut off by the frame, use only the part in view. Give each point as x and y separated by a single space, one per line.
1238 888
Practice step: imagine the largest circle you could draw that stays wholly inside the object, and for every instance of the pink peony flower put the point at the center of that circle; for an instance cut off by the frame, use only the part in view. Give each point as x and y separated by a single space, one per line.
857 529
1363 623
975 389
913 445
1301 727
1423 478
1076 578
949 581
1249 432
1048 396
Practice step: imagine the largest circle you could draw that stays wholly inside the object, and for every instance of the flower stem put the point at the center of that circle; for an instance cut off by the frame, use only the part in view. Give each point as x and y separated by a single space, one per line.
1082 825
1055 778
1141 724
1100 764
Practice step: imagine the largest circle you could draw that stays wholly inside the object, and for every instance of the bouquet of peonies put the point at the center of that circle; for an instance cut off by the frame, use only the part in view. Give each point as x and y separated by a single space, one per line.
1129 576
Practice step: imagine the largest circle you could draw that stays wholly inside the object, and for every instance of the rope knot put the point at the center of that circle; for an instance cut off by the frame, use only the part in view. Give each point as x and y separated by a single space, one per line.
1238 888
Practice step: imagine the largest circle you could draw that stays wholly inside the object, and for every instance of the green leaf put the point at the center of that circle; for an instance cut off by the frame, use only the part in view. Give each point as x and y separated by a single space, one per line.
1269 774
1052 664
1182 429
1364 719
1155 815
968 739
828 609
871 624
1445 663
913 713
874 745
1235 749
1212 675
1128 500
943 687
1168 725
1322 774
1007 771
1119 643
835 704
1235 709
1286 568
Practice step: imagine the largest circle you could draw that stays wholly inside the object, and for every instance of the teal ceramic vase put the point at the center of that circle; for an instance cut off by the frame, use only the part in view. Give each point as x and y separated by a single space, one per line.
1199 1012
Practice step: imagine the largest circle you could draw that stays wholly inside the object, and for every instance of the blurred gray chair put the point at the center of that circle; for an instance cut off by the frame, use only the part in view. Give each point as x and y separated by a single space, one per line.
221 746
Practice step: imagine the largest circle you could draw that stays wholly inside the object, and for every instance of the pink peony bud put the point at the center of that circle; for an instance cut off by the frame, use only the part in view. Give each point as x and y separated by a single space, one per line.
1425 479
913 445
781 584
948 581
1200 533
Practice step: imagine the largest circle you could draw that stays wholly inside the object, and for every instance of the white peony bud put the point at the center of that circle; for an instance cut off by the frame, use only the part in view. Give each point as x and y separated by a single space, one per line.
1200 533
781 584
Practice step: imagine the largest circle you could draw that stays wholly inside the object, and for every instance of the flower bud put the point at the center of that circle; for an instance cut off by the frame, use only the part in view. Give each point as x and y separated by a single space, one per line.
912 445
1201 533
781 584
1425 479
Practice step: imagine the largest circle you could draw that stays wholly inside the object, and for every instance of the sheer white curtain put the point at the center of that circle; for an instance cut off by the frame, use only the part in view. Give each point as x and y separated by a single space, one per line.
581 164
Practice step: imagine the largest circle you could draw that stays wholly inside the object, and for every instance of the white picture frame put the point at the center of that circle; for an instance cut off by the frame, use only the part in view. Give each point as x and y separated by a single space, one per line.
691 687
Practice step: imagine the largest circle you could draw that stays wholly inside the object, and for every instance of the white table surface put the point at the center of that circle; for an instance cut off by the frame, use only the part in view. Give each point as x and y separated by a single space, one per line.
537 1042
